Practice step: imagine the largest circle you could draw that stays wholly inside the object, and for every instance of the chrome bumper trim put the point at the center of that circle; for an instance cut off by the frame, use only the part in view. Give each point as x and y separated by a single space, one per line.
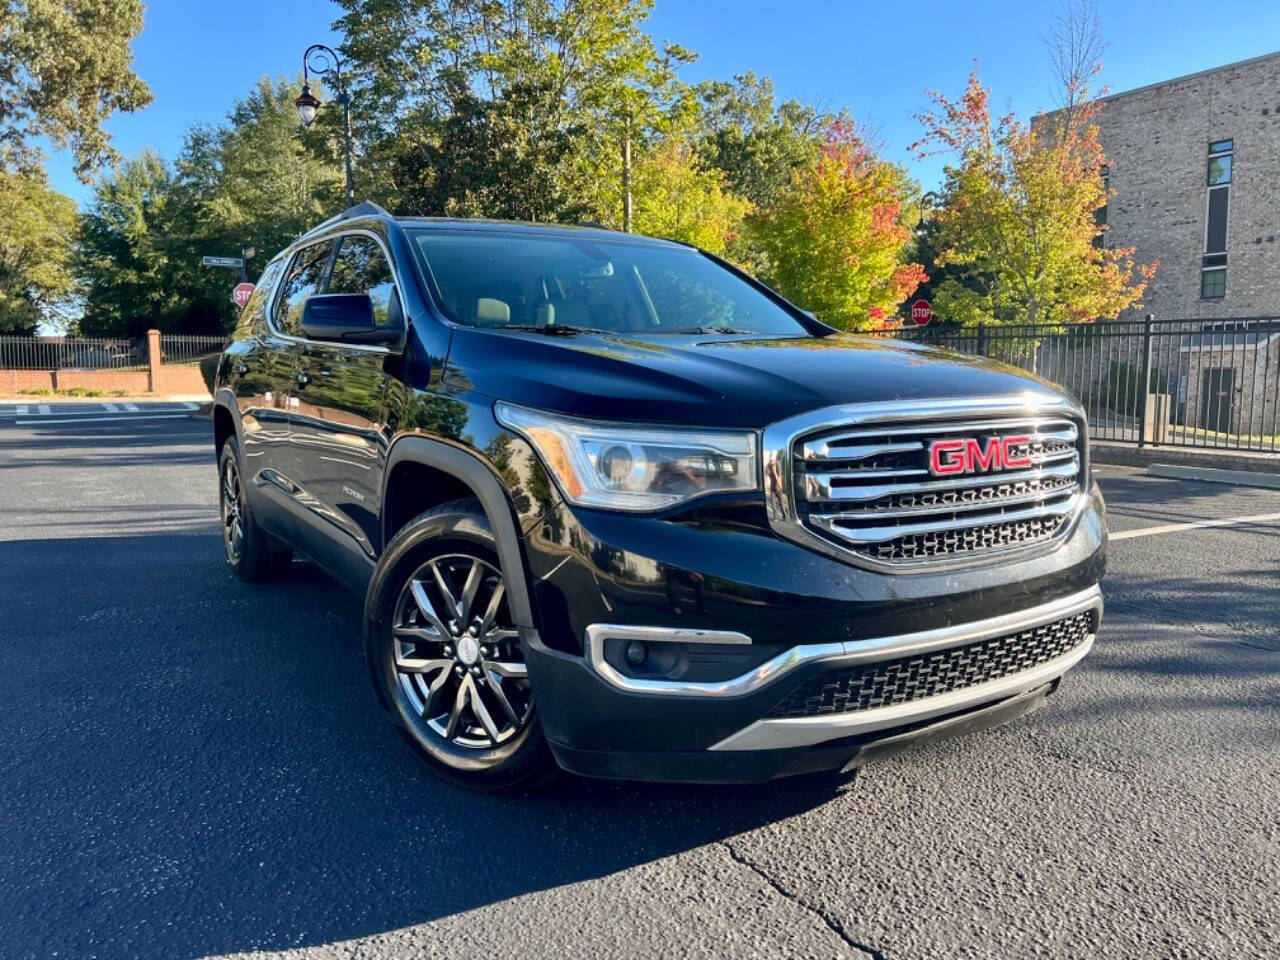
833 653
783 732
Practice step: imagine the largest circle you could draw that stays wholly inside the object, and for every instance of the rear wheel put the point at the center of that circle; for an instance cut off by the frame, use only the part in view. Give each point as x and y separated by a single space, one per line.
446 656
250 553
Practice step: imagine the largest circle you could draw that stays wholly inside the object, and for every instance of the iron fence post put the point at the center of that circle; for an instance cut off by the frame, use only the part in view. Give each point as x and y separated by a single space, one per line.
1144 383
982 338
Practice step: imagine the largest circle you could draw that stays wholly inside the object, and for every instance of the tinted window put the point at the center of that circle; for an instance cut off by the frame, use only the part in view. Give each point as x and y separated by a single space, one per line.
603 284
1216 238
361 267
305 277
253 311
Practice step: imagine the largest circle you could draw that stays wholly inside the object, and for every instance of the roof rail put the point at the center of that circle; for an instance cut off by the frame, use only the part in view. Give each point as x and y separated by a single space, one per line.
365 209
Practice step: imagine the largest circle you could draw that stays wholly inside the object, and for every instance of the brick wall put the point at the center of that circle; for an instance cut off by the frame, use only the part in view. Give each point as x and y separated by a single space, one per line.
1156 140
180 378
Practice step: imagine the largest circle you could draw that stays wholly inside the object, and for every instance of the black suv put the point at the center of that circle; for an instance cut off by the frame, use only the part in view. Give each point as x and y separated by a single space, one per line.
617 507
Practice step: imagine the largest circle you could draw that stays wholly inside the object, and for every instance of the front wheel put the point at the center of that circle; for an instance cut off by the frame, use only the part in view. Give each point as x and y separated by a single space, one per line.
446 658
250 552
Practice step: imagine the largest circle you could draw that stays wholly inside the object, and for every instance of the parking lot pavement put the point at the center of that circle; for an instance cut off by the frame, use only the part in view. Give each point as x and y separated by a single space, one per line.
196 767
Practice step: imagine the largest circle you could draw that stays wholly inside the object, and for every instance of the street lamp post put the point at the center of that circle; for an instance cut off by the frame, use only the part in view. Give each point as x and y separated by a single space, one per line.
322 60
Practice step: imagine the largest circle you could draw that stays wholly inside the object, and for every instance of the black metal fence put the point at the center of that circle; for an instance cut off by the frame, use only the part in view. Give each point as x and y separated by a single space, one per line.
185 348
1182 383
65 353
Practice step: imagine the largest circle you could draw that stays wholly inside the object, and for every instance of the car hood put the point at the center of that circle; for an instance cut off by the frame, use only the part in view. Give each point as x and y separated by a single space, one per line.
716 381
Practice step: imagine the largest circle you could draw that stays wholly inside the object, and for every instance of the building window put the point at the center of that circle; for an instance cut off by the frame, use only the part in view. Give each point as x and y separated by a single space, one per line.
1213 283
1213 267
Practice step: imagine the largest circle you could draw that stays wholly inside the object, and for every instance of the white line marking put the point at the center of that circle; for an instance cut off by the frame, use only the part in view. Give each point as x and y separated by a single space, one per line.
99 418
1194 525
191 406
111 407
44 409
131 407
20 410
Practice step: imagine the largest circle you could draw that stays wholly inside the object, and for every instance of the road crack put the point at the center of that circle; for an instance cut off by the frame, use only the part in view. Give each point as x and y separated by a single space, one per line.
833 923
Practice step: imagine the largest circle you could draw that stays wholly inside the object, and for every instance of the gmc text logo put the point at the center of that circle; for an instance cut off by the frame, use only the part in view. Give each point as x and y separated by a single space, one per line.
971 455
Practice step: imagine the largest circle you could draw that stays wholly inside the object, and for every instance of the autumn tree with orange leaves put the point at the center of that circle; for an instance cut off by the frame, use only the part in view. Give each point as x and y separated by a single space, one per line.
1018 218
835 242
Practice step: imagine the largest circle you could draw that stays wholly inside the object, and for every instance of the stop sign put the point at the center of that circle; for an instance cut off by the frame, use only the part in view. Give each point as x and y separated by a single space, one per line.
240 295
921 313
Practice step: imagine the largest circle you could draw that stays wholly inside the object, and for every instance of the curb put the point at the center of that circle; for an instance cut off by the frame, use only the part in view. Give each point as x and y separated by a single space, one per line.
1125 455
1239 478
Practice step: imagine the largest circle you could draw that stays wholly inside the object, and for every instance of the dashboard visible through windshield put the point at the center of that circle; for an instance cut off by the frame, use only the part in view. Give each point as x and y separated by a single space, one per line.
589 283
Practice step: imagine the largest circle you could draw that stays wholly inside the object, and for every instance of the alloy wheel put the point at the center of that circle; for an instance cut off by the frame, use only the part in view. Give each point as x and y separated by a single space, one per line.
457 654
232 510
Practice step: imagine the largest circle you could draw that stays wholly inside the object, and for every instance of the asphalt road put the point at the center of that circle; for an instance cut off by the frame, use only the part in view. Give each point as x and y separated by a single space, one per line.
191 767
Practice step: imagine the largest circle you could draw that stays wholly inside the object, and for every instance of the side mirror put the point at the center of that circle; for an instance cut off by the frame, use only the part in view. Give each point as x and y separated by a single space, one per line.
347 318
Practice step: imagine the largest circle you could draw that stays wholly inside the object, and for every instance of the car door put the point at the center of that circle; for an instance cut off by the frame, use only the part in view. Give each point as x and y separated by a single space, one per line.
339 436
252 373
305 277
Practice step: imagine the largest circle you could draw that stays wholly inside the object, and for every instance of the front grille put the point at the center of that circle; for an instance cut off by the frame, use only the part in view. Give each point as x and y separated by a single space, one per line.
870 491
905 680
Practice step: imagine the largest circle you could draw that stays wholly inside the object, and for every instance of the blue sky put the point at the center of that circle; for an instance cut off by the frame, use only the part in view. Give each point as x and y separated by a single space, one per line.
875 58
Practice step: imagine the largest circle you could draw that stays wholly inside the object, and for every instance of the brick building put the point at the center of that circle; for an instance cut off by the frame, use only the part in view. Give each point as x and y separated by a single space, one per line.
1195 165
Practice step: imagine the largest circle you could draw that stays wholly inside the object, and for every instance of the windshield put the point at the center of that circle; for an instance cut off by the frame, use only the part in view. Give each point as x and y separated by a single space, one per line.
508 280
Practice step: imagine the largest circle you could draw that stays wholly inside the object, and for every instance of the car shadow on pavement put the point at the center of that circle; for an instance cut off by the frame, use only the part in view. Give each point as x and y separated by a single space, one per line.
195 766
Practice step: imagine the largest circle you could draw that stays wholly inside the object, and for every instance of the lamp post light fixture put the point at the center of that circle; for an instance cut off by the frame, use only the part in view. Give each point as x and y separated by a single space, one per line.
322 60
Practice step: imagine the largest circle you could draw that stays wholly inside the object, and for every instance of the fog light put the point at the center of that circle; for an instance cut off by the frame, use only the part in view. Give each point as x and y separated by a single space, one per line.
636 652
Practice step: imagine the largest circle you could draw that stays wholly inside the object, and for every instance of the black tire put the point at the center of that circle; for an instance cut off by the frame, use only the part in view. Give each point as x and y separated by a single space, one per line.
251 554
464 745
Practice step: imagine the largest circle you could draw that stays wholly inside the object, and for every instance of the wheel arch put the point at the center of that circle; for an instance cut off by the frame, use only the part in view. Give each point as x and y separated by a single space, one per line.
462 474
226 418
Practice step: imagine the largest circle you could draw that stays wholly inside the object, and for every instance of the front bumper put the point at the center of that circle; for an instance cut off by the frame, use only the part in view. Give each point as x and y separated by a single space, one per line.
799 618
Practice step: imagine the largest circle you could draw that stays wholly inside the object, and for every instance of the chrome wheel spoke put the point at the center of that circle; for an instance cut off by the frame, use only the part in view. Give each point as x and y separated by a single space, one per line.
459 701
491 612
482 713
432 691
411 664
451 604
469 591
425 608
495 684
515 671
501 636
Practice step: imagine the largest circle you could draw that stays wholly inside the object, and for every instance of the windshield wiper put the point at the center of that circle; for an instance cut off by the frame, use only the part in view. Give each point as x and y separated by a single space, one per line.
700 330
552 329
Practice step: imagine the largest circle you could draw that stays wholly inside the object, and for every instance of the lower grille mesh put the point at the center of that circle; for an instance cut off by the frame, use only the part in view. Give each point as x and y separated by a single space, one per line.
889 682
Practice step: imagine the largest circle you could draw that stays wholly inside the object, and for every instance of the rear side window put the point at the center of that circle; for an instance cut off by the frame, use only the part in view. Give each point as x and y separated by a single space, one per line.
255 310
362 267
306 275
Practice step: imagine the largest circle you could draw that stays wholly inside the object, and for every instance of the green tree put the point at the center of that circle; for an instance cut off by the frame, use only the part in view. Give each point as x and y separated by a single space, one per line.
37 231
755 141
126 250
533 97
834 241
678 198
1018 217
65 67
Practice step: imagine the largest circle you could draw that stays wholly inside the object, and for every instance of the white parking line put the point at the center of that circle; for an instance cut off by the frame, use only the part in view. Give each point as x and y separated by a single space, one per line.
99 418
191 406
1193 525
44 409
131 407
20 410
110 407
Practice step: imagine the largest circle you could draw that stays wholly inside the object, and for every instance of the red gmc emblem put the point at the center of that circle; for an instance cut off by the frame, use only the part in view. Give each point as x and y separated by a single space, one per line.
949 458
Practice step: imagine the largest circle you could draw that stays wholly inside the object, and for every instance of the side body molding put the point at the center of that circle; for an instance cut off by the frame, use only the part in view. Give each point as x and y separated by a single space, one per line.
480 478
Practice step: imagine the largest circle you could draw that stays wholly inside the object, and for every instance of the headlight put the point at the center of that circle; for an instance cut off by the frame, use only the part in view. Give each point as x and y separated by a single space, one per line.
621 467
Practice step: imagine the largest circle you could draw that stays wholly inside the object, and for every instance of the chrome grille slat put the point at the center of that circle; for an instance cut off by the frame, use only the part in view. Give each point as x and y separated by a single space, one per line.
961 483
943 427
864 534
866 488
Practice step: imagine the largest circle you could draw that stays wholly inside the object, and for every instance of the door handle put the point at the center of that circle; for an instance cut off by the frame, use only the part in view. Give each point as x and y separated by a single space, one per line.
302 378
